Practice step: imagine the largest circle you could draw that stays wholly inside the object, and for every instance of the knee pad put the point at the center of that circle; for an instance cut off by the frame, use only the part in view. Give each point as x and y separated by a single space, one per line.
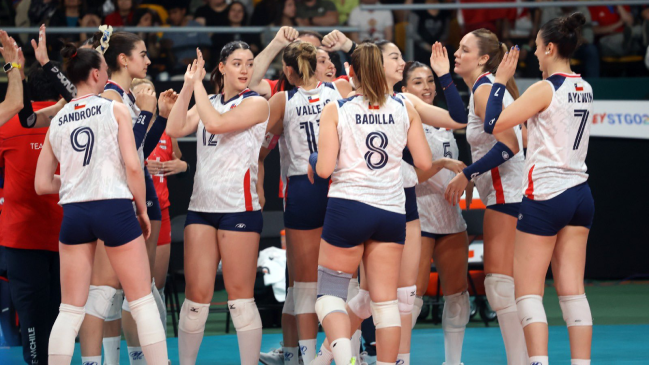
156 296
406 298
193 316
99 301
125 306
416 311
331 282
576 311
115 311
289 304
456 313
353 288
245 315
500 293
65 330
530 310
386 314
328 304
147 317
304 295
360 304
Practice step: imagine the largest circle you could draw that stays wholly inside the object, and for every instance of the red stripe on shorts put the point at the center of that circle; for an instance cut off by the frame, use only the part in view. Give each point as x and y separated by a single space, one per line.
529 192
246 191
498 185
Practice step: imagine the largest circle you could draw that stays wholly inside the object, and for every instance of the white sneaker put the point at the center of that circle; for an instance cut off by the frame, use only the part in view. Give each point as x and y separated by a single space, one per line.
367 359
273 357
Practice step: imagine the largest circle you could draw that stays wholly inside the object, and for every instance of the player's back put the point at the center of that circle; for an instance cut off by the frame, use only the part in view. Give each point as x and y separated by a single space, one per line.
84 139
558 139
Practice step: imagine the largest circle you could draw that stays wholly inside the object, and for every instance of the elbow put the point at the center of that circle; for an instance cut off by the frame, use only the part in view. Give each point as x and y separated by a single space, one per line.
173 133
41 187
324 172
424 163
515 149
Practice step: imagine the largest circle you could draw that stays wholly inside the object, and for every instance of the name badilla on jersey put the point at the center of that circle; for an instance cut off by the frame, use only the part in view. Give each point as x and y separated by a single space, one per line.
80 115
374 119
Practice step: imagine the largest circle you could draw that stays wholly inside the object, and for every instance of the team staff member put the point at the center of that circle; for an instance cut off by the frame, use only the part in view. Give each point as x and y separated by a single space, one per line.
32 256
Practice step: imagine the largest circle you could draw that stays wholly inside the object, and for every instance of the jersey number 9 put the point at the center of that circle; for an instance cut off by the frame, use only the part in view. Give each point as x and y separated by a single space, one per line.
81 144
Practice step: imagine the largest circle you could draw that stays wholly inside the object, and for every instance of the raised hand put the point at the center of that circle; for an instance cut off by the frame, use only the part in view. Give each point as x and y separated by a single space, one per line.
335 41
189 74
286 35
9 48
439 62
166 101
199 71
146 100
507 66
40 48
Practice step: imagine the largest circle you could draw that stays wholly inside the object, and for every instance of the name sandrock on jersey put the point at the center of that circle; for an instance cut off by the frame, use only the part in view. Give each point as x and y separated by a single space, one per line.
372 140
501 185
129 100
83 136
558 139
227 164
302 125
408 172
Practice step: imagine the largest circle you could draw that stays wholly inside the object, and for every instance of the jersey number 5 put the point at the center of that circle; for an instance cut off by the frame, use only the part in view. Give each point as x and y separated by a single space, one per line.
85 146
447 150
583 114
376 142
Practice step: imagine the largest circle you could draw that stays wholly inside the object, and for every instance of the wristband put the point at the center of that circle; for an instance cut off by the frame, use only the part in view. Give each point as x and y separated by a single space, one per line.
456 107
153 135
494 107
351 50
140 127
496 156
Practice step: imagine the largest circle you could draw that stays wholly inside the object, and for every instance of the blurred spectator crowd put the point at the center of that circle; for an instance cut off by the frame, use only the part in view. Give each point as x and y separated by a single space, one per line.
613 34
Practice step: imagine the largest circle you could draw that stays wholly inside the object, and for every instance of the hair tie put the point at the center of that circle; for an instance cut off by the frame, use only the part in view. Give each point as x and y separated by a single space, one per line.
107 31
74 55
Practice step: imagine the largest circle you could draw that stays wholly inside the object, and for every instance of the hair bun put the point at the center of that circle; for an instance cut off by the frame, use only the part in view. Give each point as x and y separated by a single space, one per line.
68 50
574 21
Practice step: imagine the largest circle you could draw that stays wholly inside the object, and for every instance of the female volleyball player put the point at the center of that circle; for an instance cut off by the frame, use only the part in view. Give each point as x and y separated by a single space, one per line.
557 211
443 229
362 139
224 219
497 171
92 139
295 117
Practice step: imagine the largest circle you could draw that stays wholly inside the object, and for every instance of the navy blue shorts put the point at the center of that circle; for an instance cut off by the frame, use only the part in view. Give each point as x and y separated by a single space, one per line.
305 203
152 203
412 213
238 222
112 221
507 208
573 207
434 236
349 223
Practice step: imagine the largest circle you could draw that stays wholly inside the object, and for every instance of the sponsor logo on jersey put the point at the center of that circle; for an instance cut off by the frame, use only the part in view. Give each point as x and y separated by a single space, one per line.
520 217
149 203
233 106
240 226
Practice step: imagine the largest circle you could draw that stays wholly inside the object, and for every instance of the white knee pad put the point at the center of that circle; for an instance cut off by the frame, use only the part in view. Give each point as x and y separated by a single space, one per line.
530 310
386 314
65 330
353 288
125 306
360 304
576 311
304 296
500 293
328 304
99 300
147 317
289 303
193 316
406 297
456 313
115 311
156 296
245 315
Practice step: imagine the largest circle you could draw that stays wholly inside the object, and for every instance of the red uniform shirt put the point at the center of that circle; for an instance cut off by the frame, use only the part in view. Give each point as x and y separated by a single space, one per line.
162 152
29 221
606 15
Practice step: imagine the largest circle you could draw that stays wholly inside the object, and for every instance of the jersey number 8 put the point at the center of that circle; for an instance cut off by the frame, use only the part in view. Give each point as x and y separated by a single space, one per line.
83 146
376 143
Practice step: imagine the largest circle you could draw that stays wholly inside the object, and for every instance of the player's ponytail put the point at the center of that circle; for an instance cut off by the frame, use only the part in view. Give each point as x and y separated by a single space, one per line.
216 78
301 56
78 62
367 62
488 44
564 33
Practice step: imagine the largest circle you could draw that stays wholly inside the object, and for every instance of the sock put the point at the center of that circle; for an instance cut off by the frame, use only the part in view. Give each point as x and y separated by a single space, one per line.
249 346
111 350
59 359
342 351
539 360
403 359
291 356
356 345
325 357
579 362
513 337
91 360
308 350
453 354
136 356
384 363
188 345
156 353
416 310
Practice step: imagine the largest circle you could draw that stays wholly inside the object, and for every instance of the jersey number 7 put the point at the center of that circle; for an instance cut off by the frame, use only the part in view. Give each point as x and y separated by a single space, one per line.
583 114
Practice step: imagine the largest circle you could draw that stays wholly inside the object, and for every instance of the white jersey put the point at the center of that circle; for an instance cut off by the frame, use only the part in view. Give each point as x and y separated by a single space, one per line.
372 140
558 139
302 125
502 184
436 215
129 100
408 172
83 136
227 164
